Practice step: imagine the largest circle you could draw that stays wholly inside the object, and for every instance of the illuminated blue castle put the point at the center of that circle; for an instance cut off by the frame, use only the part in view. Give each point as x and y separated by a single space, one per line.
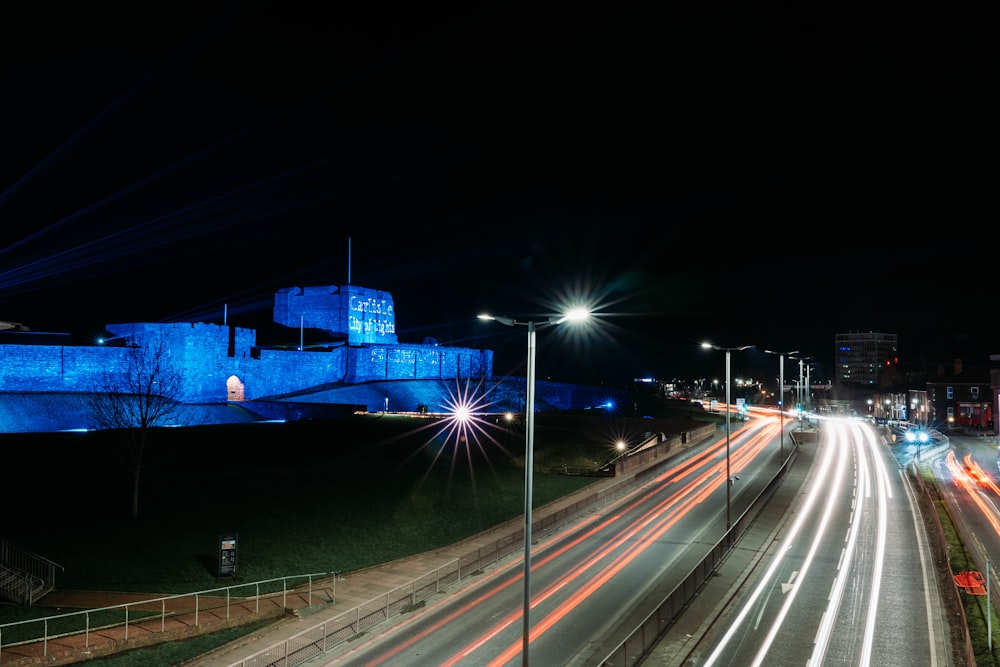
353 361
224 364
219 362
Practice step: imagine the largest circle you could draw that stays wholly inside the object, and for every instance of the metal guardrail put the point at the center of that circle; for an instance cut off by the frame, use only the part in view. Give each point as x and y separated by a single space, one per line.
338 629
634 647
84 622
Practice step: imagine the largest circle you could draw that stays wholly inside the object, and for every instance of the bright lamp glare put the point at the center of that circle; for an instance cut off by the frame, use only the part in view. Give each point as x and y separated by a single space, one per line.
461 413
577 314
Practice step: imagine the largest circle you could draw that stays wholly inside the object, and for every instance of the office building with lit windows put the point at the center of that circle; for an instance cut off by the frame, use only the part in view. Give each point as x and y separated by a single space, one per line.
864 357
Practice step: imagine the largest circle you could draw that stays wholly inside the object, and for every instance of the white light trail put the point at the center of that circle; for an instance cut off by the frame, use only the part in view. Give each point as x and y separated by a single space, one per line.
882 512
812 498
872 486
822 638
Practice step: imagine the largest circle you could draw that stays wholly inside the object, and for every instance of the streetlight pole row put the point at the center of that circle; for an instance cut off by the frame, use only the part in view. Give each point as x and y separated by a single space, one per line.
781 392
729 479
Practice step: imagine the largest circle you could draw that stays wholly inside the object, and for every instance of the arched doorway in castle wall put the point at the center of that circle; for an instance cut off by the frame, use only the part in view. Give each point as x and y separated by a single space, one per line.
234 388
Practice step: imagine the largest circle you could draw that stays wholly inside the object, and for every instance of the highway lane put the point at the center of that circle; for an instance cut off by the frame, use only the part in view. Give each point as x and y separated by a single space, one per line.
591 583
850 580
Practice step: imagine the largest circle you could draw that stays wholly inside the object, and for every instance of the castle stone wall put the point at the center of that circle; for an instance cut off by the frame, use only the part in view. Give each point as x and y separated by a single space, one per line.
54 367
199 353
208 356
204 355
283 372
417 362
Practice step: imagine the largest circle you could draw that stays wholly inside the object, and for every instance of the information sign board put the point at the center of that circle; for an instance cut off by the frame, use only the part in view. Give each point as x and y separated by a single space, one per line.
227 555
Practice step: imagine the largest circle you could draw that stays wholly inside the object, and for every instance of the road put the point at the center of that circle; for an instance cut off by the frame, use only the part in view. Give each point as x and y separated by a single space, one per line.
590 584
851 579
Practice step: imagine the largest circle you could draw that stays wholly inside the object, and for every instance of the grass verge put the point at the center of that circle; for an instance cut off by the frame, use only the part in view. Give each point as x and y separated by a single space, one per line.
980 616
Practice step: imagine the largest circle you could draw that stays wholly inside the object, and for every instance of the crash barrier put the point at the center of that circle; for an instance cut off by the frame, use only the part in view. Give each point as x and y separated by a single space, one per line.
643 638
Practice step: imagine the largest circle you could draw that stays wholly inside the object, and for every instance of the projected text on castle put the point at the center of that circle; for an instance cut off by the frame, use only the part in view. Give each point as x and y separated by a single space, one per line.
370 318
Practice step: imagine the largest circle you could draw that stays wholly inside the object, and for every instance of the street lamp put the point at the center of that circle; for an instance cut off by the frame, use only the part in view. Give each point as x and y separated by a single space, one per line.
781 389
803 395
729 480
917 436
574 315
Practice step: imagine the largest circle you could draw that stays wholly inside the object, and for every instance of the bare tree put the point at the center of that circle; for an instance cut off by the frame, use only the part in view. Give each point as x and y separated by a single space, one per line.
134 397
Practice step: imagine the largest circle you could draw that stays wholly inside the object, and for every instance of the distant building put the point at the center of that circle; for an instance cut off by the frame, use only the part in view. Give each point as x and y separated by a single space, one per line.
864 358
964 398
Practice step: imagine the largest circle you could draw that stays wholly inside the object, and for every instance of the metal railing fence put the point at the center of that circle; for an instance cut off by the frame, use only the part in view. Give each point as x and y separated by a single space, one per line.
84 622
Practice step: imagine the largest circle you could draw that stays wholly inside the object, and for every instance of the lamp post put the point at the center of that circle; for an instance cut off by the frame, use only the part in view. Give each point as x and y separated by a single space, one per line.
729 479
808 388
802 393
575 315
781 390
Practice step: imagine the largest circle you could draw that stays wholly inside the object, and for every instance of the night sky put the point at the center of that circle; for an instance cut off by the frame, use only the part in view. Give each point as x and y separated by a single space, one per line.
746 176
